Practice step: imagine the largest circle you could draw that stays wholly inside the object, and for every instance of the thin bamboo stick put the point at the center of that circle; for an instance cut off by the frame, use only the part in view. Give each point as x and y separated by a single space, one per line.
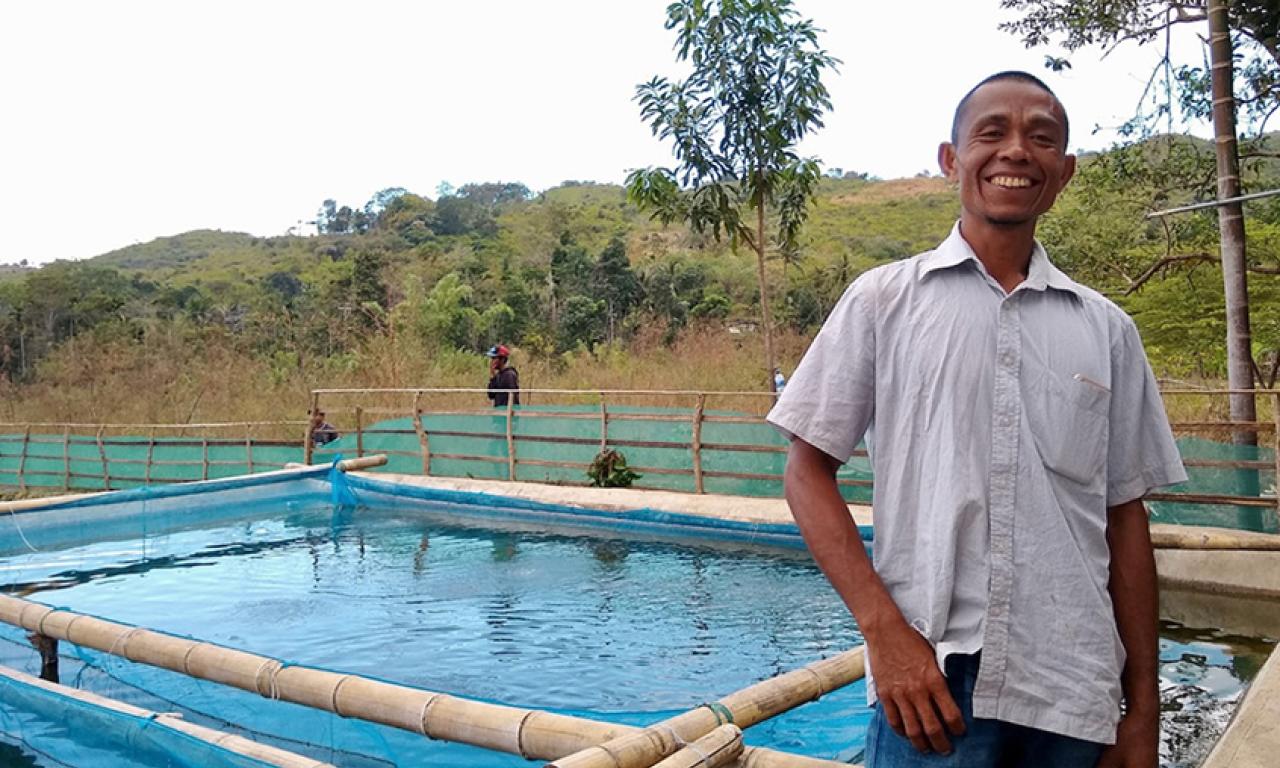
1275 446
307 440
696 447
532 734
423 439
151 453
745 708
204 459
22 461
248 449
511 439
102 453
359 432
230 742
604 424
720 747
67 458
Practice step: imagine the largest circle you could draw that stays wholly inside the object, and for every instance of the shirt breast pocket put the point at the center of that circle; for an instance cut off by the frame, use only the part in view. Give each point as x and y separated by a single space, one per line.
1068 419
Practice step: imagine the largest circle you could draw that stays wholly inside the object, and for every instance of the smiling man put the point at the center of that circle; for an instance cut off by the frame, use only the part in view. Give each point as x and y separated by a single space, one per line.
1014 426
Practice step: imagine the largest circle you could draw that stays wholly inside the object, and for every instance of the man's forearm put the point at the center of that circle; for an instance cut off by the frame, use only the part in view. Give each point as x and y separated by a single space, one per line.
833 538
1134 597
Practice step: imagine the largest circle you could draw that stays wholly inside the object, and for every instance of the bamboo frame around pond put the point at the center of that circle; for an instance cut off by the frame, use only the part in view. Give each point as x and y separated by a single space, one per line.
231 742
533 734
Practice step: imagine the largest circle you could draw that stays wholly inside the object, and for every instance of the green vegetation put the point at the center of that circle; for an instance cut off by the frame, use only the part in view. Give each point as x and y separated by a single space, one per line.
587 289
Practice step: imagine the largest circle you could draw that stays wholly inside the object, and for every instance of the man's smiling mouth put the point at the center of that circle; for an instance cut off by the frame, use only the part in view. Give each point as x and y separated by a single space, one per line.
1010 182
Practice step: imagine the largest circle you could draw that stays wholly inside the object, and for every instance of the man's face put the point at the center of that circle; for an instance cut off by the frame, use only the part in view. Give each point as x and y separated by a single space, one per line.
1009 158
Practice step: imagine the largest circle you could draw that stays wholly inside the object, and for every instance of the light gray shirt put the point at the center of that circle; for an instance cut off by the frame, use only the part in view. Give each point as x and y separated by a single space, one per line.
1001 427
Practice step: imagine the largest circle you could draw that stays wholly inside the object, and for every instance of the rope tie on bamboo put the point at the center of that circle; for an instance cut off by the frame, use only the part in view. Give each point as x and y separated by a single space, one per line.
817 678
675 737
722 713
422 719
22 615
272 668
123 641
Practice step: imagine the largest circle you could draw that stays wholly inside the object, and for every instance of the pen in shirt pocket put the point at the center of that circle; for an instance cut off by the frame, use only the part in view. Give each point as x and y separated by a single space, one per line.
1080 377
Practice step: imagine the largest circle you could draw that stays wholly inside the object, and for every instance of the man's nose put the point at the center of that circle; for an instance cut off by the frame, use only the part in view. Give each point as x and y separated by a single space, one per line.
1014 148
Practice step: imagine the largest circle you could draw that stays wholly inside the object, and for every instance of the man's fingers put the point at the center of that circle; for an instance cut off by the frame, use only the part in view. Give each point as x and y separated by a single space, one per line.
911 727
931 727
946 705
891 714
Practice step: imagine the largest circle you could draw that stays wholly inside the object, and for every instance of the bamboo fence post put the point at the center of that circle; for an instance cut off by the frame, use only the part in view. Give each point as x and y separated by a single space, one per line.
306 435
1275 443
204 458
66 457
511 439
697 442
359 432
22 460
248 448
423 441
604 424
151 452
102 454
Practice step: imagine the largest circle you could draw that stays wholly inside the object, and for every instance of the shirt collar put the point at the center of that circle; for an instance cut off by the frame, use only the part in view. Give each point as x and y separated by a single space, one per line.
955 250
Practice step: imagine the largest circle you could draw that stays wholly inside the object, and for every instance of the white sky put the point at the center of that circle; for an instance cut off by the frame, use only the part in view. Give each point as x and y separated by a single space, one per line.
124 121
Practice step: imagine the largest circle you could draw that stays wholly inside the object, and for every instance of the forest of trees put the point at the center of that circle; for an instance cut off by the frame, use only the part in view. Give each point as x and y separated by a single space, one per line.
577 270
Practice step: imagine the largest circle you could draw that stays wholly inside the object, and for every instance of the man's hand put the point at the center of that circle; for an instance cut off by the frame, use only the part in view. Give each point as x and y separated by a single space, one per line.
912 689
1137 742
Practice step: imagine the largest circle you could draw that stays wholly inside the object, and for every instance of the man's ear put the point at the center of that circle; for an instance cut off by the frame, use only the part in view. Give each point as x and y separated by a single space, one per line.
1068 170
947 160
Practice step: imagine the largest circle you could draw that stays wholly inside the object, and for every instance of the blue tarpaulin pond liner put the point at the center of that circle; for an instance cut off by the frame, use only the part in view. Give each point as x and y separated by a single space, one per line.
399 585
474 445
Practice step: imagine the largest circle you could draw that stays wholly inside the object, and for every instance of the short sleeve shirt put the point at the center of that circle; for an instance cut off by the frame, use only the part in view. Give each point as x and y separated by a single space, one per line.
1001 427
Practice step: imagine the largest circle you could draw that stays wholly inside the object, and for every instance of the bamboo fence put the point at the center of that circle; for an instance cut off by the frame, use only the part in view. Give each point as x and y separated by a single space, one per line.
533 734
101 438
696 446
228 741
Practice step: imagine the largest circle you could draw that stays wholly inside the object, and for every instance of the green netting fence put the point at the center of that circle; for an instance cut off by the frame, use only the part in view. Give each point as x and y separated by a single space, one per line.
690 449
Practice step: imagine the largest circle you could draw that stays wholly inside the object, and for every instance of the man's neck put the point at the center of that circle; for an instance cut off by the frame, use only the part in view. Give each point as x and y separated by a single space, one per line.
1005 251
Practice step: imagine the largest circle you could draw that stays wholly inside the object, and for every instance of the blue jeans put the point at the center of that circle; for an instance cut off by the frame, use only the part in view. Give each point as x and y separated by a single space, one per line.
985 743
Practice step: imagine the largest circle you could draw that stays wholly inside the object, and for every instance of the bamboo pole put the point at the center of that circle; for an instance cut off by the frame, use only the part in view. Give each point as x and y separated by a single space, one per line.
511 439
1165 536
745 708
423 440
102 454
151 453
248 448
720 747
1275 443
697 444
604 424
66 458
307 440
359 432
22 460
204 458
533 734
230 742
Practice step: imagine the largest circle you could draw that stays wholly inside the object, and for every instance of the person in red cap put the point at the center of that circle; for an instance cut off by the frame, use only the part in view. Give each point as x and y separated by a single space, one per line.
504 381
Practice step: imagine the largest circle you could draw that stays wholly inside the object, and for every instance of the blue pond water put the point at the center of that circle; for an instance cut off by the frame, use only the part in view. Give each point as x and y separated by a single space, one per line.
624 629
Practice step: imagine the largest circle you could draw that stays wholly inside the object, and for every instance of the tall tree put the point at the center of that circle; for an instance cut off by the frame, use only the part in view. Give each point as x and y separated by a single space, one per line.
1243 30
755 91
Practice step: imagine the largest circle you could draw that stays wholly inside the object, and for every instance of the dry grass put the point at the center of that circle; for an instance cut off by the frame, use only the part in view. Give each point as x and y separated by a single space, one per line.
895 189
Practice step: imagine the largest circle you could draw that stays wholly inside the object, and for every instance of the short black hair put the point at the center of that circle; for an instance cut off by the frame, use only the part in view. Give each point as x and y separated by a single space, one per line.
1011 74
